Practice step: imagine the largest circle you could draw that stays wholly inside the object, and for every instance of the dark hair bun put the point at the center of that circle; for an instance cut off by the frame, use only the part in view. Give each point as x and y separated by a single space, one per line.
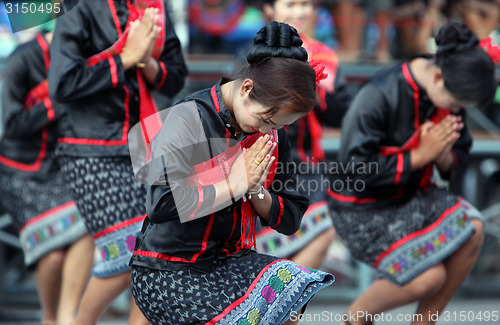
455 37
276 40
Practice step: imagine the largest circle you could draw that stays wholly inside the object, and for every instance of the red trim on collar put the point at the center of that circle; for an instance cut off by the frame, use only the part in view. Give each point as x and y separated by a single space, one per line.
416 94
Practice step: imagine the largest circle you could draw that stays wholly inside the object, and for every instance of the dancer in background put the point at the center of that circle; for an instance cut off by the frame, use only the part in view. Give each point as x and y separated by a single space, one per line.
308 246
32 189
217 155
404 122
108 56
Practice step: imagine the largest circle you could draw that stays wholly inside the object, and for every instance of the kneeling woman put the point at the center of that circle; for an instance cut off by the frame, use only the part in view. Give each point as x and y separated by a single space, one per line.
218 153
406 122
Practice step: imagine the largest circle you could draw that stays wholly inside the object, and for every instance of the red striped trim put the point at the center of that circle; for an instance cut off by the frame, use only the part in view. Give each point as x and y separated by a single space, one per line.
112 8
200 201
399 168
416 95
93 142
416 234
50 109
312 207
315 206
112 69
411 143
213 92
350 199
38 162
205 238
164 75
179 259
45 49
46 214
119 226
239 301
159 256
102 142
282 210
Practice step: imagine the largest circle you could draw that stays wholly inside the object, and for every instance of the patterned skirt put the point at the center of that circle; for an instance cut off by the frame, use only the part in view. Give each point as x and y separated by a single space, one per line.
315 221
43 213
112 204
251 289
404 240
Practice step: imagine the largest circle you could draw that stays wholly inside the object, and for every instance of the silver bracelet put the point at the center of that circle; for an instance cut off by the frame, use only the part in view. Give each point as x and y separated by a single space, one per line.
259 193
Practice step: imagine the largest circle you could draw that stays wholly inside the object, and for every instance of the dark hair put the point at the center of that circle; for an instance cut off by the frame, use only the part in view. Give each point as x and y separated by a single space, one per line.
270 2
277 65
468 72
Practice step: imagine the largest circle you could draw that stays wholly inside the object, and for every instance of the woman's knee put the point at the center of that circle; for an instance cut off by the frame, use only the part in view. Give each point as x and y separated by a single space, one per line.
428 283
54 260
328 236
476 241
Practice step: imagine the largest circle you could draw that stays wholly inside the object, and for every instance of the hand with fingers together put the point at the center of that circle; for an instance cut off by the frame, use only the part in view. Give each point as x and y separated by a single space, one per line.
258 161
141 38
436 140
249 171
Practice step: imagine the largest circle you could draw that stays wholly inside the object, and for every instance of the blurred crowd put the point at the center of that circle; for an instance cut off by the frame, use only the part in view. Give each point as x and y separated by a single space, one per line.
378 31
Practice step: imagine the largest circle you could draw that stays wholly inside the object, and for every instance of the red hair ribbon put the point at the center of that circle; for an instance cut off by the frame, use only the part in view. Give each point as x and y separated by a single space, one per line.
491 49
319 69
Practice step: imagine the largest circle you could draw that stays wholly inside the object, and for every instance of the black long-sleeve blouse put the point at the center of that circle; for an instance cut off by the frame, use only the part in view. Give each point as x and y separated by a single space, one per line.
29 126
167 243
102 100
378 132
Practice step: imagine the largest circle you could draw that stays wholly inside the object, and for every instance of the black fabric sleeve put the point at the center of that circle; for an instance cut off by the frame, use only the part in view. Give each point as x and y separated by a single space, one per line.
17 120
288 206
69 76
363 130
172 70
180 140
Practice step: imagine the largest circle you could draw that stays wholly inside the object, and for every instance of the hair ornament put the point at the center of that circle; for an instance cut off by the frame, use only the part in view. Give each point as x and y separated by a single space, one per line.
319 70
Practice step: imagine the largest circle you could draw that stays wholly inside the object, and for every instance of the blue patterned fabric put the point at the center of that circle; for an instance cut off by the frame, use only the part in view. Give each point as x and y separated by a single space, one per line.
315 221
112 204
404 240
42 212
250 289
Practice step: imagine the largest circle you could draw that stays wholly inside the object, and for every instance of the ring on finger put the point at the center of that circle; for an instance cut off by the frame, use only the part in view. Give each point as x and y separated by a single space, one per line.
258 163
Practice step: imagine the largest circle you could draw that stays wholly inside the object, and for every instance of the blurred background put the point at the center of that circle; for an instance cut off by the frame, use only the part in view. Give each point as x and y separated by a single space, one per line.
367 36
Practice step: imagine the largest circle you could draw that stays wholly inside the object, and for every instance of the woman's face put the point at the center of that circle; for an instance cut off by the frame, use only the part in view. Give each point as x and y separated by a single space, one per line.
296 13
251 116
442 98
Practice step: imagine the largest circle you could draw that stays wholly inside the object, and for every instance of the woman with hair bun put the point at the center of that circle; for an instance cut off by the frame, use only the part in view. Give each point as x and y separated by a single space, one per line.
406 121
215 159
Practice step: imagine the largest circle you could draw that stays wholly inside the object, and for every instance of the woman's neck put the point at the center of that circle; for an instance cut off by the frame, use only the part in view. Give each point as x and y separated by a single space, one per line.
228 91
423 71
